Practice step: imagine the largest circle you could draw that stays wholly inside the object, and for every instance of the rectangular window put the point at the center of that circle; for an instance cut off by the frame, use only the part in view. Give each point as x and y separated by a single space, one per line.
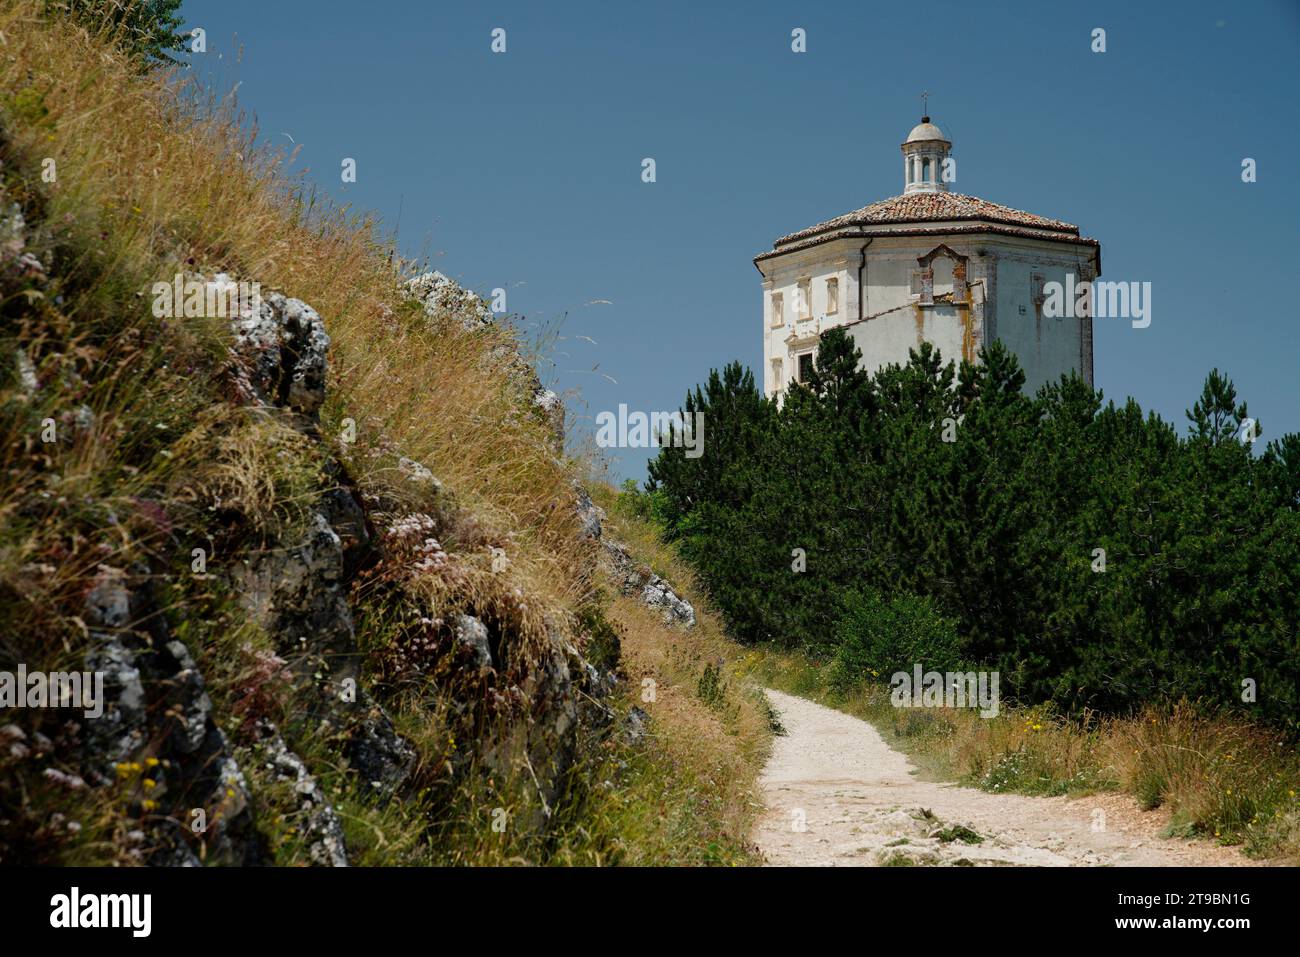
778 309
804 297
805 366
832 296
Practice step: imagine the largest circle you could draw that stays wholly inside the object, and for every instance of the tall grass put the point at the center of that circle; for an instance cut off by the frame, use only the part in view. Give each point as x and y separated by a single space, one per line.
156 176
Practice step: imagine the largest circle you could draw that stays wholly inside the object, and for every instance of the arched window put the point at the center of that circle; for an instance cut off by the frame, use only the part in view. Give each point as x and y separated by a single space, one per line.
926 171
943 273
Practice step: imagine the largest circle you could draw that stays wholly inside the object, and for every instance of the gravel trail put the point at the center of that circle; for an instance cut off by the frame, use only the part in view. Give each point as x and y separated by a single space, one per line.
837 794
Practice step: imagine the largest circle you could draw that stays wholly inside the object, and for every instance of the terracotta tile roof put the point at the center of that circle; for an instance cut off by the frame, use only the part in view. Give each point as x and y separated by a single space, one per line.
920 214
929 207
852 232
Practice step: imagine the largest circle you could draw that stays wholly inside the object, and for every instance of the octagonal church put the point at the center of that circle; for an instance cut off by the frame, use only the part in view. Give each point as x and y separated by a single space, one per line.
928 265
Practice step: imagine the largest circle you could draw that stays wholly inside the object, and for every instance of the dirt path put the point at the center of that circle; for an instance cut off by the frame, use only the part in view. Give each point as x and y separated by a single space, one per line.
860 806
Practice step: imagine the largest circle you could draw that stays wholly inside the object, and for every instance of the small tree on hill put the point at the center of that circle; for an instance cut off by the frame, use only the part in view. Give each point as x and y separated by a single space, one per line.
148 29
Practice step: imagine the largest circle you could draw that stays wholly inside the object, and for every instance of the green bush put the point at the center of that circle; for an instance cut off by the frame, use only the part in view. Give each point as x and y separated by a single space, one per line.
878 636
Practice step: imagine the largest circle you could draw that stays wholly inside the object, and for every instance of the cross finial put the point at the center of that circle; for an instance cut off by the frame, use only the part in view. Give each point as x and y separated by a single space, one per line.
925 96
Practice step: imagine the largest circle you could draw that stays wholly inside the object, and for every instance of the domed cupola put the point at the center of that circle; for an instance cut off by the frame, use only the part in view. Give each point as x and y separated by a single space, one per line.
923 154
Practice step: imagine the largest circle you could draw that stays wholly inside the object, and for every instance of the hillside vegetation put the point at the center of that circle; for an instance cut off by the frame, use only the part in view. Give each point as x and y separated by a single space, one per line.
350 598
1136 591
1087 551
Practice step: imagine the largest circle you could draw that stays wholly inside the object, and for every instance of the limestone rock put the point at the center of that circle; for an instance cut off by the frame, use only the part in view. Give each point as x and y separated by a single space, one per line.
283 351
473 634
418 473
444 297
549 404
636 726
590 515
157 723
655 591
191 707
120 731
379 754
299 591
323 829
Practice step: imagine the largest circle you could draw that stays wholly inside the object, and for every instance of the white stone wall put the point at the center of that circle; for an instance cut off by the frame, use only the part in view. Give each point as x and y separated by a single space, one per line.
1003 274
889 338
1047 348
816 268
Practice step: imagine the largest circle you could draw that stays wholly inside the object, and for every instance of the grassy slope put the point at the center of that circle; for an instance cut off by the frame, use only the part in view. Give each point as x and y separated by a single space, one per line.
715 727
152 181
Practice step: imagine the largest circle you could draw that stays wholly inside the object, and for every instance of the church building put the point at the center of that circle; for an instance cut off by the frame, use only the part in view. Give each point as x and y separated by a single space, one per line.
928 265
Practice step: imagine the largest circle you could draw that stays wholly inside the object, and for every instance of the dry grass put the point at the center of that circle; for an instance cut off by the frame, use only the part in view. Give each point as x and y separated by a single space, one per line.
180 183
710 735
685 794
154 178
1220 775
249 463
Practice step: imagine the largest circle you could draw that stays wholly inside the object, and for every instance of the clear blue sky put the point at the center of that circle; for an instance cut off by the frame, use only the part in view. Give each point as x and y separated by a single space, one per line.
522 170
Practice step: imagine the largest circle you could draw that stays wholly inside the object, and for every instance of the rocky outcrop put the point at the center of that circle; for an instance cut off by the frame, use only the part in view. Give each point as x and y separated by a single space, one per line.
282 348
551 408
590 515
653 590
636 726
657 593
190 780
418 473
375 750
473 635
156 738
300 594
445 300
320 824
